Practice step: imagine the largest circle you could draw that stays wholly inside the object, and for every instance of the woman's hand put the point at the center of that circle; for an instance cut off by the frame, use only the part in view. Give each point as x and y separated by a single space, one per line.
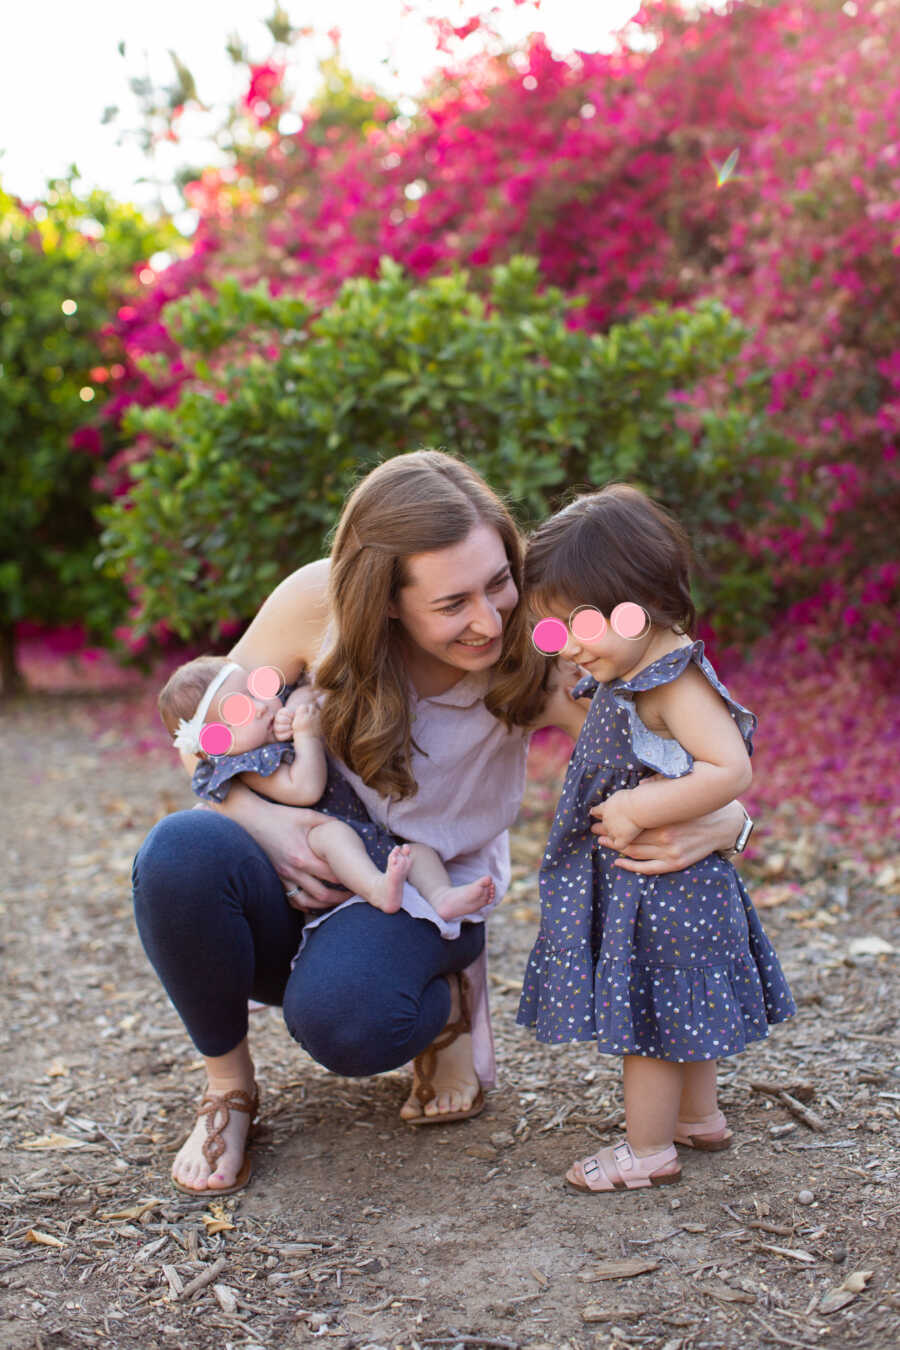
281 832
669 848
295 862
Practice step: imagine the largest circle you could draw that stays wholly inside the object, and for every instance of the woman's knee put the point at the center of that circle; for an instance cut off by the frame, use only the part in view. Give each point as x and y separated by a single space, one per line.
352 1033
186 847
188 859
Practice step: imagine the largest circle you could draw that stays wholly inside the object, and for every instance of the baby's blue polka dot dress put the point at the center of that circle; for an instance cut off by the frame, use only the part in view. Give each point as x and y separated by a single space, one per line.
676 966
212 780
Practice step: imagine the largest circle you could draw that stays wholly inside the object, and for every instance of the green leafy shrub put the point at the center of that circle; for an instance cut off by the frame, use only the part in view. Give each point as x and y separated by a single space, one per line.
248 472
65 264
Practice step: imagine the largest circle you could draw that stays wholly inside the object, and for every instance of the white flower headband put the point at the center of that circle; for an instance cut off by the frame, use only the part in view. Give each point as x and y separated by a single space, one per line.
187 736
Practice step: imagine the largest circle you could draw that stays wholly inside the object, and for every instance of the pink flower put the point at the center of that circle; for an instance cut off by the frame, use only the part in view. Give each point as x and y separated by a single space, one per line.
87 439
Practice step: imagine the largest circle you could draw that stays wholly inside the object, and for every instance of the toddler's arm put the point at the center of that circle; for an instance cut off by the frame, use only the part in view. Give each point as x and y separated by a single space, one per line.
694 714
303 782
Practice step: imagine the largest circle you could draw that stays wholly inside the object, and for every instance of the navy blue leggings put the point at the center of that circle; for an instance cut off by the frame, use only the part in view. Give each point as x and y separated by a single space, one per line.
367 993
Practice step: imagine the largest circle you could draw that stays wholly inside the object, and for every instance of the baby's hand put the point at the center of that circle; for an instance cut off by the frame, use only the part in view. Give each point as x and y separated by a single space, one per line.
307 720
282 724
618 827
304 693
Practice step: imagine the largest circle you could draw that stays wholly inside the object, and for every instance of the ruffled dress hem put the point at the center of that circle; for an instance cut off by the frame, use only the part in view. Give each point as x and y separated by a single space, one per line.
687 1013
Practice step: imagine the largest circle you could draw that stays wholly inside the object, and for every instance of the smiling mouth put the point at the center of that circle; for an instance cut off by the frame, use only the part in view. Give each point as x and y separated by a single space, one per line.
477 646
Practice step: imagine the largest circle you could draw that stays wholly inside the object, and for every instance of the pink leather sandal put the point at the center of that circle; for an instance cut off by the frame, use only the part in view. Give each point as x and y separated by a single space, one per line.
624 1171
710 1133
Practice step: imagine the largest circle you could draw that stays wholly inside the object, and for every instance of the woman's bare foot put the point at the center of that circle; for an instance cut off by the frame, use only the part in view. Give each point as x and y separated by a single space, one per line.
191 1168
387 893
457 901
455 1082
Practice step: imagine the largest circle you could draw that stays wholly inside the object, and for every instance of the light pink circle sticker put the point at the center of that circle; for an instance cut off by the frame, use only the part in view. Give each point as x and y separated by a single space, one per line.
587 624
550 636
215 739
236 709
629 620
265 682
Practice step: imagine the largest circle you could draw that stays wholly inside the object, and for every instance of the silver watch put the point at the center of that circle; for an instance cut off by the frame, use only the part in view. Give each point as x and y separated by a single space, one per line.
742 840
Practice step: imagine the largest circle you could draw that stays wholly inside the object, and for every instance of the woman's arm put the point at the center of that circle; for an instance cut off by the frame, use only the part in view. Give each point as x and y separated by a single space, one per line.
694 714
288 628
670 848
281 832
286 633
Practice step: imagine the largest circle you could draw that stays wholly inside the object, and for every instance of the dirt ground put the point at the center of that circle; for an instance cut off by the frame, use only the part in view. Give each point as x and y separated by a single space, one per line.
359 1232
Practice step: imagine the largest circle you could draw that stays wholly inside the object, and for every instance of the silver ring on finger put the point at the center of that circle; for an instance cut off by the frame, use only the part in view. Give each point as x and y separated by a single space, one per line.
294 890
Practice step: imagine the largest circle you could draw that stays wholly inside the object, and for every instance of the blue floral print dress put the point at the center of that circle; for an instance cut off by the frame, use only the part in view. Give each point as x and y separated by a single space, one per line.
212 780
676 966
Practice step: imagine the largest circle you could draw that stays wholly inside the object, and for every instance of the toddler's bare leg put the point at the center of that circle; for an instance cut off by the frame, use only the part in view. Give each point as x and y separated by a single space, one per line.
345 853
652 1094
698 1091
700 1122
429 876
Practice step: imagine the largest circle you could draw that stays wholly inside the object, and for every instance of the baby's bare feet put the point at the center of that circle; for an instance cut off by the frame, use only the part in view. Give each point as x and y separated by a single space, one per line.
456 901
229 1121
387 893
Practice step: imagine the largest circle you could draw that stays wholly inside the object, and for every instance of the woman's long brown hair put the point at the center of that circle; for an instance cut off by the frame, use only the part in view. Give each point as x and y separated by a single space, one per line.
412 503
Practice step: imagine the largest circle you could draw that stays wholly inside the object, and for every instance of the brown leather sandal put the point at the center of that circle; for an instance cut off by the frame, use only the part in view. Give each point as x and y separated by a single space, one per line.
217 1108
424 1066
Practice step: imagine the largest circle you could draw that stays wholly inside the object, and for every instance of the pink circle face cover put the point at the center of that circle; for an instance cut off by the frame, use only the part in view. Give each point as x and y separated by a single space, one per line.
236 709
550 636
629 620
587 624
215 739
265 682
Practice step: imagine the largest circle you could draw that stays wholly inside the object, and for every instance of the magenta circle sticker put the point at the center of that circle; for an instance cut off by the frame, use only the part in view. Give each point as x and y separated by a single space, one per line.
587 624
550 636
265 682
236 709
629 620
215 739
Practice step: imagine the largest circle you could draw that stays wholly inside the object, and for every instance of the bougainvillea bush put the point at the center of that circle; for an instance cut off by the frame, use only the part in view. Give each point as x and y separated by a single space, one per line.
608 167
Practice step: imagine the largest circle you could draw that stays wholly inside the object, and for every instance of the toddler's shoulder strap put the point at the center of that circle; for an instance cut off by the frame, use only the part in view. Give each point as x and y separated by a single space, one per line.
664 756
586 687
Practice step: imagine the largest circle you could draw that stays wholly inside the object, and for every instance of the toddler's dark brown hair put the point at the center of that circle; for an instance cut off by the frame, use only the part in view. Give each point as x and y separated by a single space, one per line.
610 546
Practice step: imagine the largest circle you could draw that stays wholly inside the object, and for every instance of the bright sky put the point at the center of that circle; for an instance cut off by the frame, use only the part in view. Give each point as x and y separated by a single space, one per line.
60 68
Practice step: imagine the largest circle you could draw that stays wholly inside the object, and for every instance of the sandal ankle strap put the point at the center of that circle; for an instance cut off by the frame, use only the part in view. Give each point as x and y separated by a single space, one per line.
426 1063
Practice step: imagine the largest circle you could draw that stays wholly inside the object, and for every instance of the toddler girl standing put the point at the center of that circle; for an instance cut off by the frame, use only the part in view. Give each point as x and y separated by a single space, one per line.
672 971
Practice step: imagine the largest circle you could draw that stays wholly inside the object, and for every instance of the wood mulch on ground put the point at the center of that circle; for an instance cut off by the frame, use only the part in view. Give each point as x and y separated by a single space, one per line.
359 1232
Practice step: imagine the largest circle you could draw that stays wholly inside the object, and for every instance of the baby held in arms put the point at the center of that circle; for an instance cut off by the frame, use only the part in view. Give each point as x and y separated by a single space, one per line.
278 751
